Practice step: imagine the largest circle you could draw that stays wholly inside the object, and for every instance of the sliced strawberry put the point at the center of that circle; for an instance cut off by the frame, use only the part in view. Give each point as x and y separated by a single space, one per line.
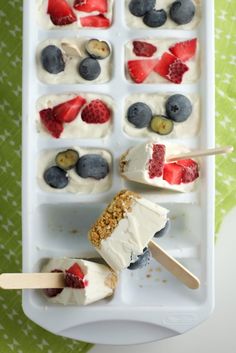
156 164
68 111
139 70
171 68
91 5
172 173
97 112
50 123
74 277
190 170
184 50
60 12
143 49
98 21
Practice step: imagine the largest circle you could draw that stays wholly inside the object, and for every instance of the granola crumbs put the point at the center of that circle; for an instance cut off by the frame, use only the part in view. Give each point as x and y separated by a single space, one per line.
123 162
111 280
108 221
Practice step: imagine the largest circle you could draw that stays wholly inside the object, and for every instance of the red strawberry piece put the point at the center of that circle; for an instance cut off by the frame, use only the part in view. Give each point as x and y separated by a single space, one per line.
139 70
156 164
144 49
60 12
190 170
98 21
172 173
53 292
184 50
50 123
91 5
97 112
68 111
171 68
74 277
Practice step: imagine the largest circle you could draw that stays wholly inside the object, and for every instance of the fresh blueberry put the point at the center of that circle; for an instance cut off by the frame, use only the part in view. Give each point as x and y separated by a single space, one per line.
92 166
140 7
155 18
89 69
56 178
52 59
139 114
182 11
163 231
53 292
142 261
178 108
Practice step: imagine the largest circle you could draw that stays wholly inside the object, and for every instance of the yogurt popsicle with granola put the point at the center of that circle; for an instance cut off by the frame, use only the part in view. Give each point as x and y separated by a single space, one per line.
85 281
148 164
123 231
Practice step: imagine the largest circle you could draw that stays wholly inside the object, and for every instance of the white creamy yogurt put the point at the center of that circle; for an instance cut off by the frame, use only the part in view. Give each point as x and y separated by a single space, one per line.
138 163
156 101
137 22
97 276
133 233
45 22
76 184
77 128
71 74
192 75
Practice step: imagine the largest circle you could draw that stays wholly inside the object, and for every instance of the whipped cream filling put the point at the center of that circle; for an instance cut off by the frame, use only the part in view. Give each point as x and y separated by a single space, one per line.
71 74
95 274
137 166
76 184
163 45
133 233
137 22
45 22
77 128
156 102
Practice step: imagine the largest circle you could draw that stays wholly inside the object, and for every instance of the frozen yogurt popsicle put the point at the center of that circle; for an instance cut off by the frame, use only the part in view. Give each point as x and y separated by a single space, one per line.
85 281
125 228
147 164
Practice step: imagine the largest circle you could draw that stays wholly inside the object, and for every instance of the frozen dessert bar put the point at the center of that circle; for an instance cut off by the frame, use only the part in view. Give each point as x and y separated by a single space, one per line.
70 14
74 60
161 115
86 282
162 61
121 234
75 170
148 164
74 116
175 14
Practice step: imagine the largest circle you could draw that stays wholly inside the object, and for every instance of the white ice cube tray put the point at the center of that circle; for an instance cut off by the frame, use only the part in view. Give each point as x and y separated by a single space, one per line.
149 304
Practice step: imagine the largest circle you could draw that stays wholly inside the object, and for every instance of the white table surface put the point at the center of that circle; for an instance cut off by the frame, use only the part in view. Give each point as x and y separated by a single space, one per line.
218 334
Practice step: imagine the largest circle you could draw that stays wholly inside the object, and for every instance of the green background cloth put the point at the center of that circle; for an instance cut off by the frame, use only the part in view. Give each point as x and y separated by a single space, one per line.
17 333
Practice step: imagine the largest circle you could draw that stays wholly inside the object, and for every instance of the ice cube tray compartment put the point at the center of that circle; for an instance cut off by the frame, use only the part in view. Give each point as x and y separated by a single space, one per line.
161 302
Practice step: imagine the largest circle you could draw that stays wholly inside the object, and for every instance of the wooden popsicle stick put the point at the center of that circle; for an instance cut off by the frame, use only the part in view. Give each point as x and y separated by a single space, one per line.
173 266
32 280
201 153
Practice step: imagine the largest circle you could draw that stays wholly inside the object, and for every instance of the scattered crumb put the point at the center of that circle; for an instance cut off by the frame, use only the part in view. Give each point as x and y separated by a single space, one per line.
164 281
172 218
148 276
140 286
150 270
74 231
159 269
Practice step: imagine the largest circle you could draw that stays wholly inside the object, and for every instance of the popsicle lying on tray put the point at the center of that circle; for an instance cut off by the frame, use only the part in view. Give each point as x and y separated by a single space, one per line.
147 164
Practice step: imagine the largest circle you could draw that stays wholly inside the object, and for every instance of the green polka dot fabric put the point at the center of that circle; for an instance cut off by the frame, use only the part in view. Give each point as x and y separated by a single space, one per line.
17 333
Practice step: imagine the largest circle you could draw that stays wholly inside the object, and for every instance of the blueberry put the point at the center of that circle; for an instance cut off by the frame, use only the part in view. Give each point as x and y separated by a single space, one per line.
182 11
140 7
163 231
178 108
89 69
52 59
143 260
155 18
92 166
56 178
139 114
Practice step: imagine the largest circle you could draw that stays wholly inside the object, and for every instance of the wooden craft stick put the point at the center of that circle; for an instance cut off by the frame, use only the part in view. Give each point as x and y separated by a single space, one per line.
173 266
201 153
32 280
